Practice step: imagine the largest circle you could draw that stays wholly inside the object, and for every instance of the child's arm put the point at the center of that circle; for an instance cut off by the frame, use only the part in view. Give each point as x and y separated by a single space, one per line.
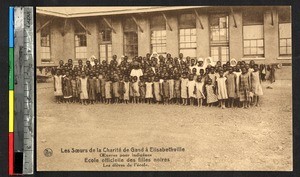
217 88
260 78
160 89
235 88
240 83
88 84
152 85
79 86
249 81
132 86
204 90
54 83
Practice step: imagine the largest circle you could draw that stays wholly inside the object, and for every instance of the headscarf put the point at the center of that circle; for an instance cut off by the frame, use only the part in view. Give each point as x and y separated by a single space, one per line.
154 54
121 59
91 59
233 62
208 61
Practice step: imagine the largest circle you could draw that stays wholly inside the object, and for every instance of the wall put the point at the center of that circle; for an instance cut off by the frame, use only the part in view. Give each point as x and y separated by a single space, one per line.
58 52
92 40
68 42
172 36
144 38
203 48
236 36
117 38
271 37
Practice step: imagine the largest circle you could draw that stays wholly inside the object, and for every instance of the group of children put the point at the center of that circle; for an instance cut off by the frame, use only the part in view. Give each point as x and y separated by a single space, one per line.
160 80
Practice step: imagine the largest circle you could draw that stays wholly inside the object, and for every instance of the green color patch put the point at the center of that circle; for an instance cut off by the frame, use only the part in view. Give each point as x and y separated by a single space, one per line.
11 69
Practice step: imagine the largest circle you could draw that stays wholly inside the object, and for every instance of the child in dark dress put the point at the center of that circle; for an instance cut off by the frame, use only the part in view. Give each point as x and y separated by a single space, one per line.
116 86
67 87
91 88
142 89
177 89
165 90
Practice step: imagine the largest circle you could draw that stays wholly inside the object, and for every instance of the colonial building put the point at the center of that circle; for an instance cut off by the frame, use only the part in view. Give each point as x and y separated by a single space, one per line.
260 33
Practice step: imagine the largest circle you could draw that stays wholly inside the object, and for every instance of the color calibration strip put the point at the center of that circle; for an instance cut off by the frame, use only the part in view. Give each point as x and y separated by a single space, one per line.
11 92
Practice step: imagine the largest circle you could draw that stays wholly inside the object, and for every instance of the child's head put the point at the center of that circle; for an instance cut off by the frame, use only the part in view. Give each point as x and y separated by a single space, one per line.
201 71
58 72
134 78
67 73
206 70
194 71
255 67
230 69
91 75
142 78
126 79
247 66
221 73
193 62
115 78
83 74
198 78
165 78
149 79
209 81
61 62
184 75
191 77
244 70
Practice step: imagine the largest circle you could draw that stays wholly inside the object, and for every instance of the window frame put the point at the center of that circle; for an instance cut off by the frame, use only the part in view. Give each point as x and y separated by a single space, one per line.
48 47
126 32
102 26
75 46
189 27
133 45
158 44
279 38
256 39
154 30
227 29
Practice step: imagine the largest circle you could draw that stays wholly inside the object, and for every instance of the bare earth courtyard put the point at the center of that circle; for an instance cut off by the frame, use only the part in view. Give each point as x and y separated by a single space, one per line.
259 138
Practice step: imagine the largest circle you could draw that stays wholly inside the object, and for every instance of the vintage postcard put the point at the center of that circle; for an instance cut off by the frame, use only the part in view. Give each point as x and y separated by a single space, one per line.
164 88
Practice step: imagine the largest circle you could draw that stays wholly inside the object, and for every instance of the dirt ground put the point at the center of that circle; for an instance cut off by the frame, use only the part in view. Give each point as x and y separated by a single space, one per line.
259 138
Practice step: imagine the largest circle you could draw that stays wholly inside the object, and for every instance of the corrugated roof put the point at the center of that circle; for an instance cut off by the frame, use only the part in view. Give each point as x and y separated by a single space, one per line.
69 12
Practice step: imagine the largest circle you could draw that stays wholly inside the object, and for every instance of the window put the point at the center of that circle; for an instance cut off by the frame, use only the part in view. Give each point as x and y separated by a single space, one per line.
187 35
45 45
80 43
253 34
130 38
158 35
219 28
104 39
285 32
219 53
219 38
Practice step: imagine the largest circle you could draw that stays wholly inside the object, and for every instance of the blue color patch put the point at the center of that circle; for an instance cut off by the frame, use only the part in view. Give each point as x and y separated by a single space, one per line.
11 27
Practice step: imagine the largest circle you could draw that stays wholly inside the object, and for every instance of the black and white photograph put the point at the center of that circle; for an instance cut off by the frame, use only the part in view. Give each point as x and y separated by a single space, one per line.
164 88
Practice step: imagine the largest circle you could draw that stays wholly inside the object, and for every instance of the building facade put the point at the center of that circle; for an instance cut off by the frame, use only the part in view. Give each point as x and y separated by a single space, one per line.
259 33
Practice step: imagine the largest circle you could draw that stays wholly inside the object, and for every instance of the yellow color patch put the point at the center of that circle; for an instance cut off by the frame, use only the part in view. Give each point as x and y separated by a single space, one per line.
11 111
